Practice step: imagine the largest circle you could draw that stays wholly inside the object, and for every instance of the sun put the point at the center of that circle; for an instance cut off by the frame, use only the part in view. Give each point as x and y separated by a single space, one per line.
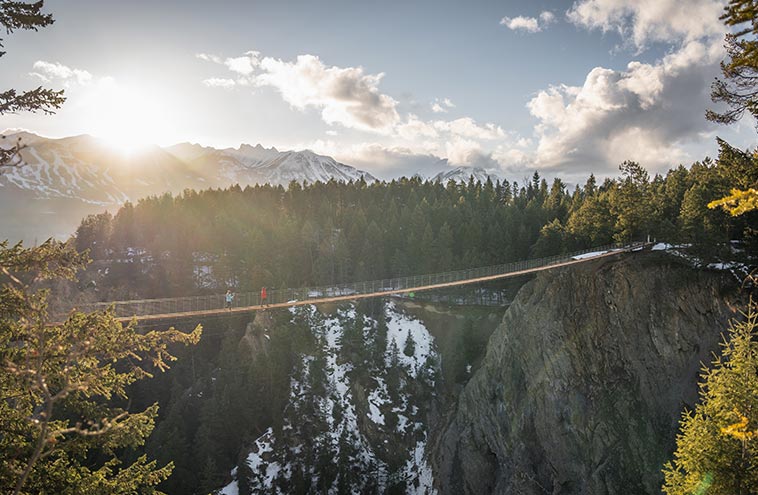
129 119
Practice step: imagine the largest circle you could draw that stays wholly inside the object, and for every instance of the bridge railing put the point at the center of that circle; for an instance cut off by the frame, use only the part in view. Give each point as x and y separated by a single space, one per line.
190 304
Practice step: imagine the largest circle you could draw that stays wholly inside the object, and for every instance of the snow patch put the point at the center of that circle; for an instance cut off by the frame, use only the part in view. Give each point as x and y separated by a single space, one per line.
399 327
417 469
588 255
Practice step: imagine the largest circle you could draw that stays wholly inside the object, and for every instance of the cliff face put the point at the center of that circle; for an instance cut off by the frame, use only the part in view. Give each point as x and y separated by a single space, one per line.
584 381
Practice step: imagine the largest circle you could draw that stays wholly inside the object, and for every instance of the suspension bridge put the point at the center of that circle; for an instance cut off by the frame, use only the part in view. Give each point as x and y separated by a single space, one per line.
145 310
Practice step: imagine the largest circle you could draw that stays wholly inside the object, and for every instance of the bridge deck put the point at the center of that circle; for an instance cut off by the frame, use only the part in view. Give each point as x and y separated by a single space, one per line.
573 260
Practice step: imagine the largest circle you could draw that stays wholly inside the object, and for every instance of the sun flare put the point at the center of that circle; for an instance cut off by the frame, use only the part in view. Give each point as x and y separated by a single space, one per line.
127 118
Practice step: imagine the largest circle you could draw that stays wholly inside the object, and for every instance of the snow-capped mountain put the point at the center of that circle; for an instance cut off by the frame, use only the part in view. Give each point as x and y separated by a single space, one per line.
463 174
256 164
63 180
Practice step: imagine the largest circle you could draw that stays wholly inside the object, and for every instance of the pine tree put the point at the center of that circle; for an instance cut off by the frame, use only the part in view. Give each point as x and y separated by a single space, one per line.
444 248
15 15
738 88
632 203
717 449
393 372
209 478
551 240
409 349
61 384
379 342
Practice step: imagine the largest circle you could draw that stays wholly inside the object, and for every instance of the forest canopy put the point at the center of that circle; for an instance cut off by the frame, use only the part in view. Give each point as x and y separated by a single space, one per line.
329 233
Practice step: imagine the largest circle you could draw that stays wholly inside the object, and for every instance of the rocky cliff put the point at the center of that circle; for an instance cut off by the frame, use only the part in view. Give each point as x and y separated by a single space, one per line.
583 383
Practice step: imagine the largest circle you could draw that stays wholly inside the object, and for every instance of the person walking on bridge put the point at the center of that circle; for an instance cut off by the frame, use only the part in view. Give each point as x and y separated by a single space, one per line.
263 296
229 297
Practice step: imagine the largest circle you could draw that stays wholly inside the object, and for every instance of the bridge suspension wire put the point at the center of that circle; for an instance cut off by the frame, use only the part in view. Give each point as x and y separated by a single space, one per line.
214 304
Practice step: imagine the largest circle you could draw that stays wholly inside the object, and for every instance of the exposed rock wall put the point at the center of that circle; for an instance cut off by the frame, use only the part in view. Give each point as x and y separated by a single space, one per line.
584 381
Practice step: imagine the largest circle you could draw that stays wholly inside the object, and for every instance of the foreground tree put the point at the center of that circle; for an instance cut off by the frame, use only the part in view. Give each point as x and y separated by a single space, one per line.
738 202
717 449
64 418
738 89
14 16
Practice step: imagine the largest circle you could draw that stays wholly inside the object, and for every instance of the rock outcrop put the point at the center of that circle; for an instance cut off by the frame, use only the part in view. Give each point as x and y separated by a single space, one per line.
585 380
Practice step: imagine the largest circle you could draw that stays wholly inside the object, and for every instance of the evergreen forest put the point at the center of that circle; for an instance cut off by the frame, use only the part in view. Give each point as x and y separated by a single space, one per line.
331 233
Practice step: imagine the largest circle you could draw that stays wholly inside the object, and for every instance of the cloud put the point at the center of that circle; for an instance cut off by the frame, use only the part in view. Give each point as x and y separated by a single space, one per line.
349 97
645 112
210 58
437 108
219 82
384 162
467 127
528 24
641 22
442 106
414 128
345 96
49 71
547 17
244 65
461 151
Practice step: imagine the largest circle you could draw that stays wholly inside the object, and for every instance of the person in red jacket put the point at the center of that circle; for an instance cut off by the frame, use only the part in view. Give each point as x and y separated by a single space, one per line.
263 296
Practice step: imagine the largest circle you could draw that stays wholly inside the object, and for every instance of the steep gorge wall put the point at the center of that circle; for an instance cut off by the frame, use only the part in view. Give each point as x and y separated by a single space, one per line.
584 381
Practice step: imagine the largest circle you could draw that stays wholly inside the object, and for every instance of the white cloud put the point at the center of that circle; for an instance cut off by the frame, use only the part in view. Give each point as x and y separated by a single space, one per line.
349 97
219 82
210 58
345 96
643 21
645 112
512 158
48 71
414 128
462 151
244 65
466 127
547 17
529 24
521 23
385 162
442 106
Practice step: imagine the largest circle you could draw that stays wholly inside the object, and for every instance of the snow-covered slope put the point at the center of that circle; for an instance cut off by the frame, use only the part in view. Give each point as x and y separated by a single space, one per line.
355 421
256 164
62 180
463 174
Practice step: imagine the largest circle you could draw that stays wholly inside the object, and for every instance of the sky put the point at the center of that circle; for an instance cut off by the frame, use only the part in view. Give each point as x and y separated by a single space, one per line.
561 87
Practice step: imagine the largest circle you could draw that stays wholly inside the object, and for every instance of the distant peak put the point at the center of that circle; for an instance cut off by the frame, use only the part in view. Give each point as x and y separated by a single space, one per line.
258 147
19 133
17 130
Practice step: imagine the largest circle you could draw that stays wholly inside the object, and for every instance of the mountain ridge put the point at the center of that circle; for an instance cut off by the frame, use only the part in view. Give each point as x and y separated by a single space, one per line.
83 175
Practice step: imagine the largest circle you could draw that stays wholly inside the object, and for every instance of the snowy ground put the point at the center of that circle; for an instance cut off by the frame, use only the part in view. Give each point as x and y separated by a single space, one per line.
399 327
588 255
272 461
739 270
